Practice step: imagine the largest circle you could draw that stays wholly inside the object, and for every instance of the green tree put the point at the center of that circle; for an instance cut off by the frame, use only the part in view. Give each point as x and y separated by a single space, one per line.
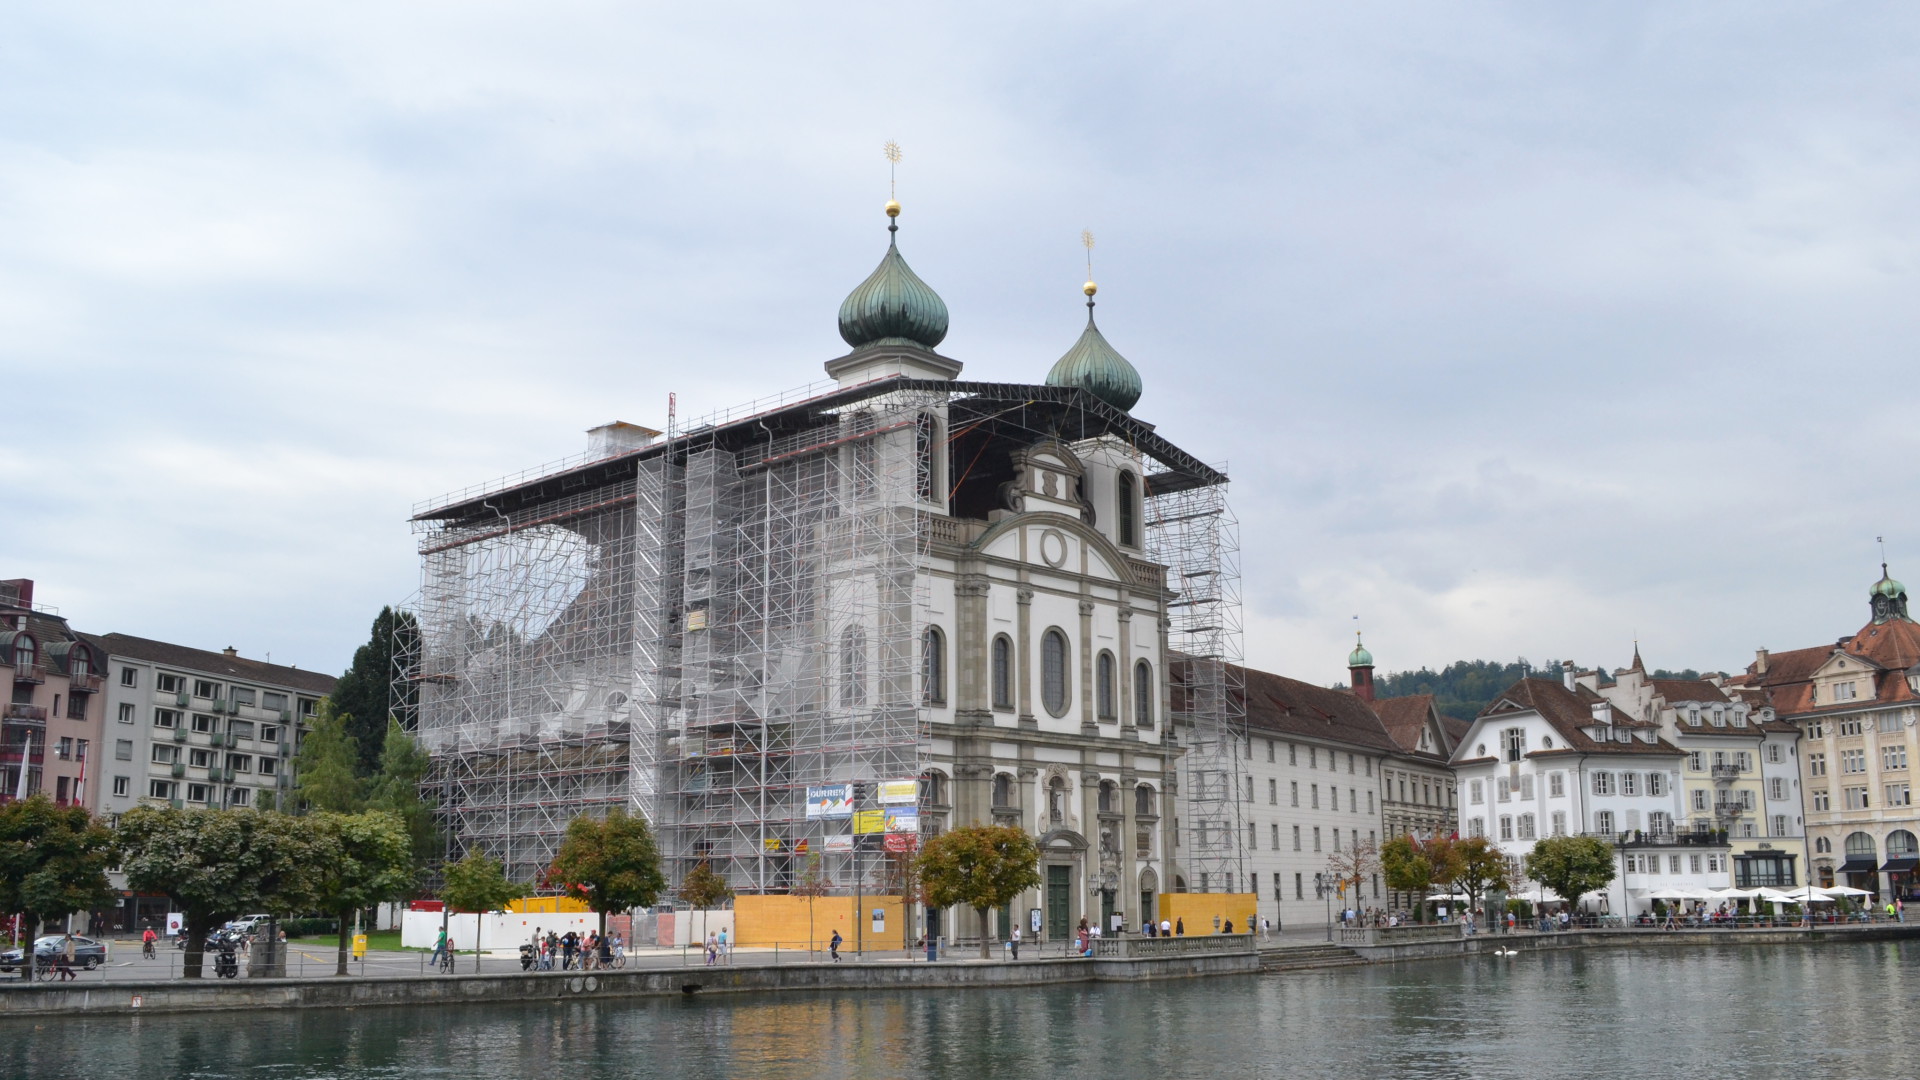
612 864
479 884
365 698
1464 687
1410 865
1571 865
397 790
53 862
812 884
368 859
1483 866
324 776
217 864
705 889
981 866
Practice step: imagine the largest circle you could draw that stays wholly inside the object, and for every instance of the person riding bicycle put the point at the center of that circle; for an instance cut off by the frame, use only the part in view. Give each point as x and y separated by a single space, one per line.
146 943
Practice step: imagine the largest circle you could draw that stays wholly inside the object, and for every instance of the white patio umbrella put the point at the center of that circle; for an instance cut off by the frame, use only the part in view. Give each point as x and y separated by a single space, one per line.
1775 896
1844 890
1733 894
1460 896
1807 894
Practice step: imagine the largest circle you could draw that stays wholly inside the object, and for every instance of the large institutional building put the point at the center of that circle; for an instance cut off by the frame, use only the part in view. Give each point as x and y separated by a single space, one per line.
803 634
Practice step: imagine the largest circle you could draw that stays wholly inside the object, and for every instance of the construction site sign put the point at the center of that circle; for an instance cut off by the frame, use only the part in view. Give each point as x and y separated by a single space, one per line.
869 822
899 792
829 801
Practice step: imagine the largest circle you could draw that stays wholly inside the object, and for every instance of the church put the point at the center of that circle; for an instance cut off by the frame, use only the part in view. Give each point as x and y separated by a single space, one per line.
804 635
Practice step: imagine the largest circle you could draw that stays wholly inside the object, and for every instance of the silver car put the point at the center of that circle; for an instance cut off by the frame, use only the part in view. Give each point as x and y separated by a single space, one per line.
87 952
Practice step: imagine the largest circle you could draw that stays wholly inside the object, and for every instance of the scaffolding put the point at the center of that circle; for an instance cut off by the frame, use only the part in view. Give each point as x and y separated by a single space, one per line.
1192 532
702 627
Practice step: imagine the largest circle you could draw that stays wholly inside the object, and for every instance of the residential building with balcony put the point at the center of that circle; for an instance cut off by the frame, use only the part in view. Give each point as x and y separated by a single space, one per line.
1855 704
1741 774
196 728
1551 757
50 721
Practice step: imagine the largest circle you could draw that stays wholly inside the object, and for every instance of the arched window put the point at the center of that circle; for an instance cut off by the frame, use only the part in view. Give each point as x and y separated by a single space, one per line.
1002 790
853 668
1900 845
1859 843
1003 672
24 652
926 457
1053 672
1143 801
864 454
1126 496
1105 692
1823 846
933 788
1109 797
77 665
1143 694
933 667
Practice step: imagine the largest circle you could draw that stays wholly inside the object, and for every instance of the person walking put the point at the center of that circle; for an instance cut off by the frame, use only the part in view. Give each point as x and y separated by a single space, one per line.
1166 928
833 946
713 948
1180 927
1013 942
66 958
726 950
568 945
439 949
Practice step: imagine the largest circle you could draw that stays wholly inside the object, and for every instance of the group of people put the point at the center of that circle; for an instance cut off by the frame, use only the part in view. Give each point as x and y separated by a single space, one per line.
720 950
575 951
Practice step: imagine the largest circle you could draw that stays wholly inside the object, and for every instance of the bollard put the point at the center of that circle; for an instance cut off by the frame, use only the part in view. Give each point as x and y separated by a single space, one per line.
933 948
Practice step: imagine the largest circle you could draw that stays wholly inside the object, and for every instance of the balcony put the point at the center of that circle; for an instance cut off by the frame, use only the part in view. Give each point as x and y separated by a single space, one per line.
1726 772
32 673
84 684
25 714
1674 838
11 755
1729 810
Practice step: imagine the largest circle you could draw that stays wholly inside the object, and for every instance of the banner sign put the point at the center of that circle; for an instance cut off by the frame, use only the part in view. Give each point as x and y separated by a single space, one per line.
829 801
899 792
903 819
868 822
901 842
839 844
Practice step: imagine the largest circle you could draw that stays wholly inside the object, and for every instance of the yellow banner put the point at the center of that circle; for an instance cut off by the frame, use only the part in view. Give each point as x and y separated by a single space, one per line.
866 822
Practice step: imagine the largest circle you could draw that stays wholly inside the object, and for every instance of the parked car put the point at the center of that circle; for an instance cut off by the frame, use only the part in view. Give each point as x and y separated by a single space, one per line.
87 952
247 924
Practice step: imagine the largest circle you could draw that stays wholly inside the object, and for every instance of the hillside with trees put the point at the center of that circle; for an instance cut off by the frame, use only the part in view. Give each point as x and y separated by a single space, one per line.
1464 687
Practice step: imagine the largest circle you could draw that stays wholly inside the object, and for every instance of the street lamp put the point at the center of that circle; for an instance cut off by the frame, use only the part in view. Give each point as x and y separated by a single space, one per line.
1323 887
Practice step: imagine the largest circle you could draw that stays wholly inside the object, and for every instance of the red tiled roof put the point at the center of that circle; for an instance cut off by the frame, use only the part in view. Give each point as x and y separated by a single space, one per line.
1568 711
1884 651
1277 704
1405 718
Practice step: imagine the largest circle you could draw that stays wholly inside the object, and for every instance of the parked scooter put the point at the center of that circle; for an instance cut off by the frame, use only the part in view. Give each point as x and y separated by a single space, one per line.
526 957
226 962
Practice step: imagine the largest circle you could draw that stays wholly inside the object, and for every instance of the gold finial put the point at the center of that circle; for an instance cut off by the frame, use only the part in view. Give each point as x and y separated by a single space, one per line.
1086 241
892 151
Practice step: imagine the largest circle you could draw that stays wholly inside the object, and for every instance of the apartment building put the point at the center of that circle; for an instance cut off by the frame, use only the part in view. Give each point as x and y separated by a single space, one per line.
50 722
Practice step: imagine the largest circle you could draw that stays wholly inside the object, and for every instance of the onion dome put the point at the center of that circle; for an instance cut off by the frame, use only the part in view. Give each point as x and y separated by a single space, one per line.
1887 586
1359 657
1096 367
893 306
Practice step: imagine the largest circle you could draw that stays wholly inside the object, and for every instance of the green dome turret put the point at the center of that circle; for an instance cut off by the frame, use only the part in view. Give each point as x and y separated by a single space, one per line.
1097 367
1888 598
1359 657
893 306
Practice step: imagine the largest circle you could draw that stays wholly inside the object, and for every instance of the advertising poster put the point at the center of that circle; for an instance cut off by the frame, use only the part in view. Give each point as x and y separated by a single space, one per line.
829 801
903 819
899 792
839 844
869 822
902 842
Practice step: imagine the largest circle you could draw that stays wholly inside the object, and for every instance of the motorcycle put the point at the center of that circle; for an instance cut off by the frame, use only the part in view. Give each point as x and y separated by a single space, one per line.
526 957
226 963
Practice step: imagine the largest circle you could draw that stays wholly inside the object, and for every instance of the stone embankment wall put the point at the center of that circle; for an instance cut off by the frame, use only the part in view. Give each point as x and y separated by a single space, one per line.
212 995
1429 949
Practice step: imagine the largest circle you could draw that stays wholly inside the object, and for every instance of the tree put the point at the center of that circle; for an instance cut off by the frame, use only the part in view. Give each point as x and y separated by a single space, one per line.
612 864
368 860
324 777
364 697
1483 866
479 884
1464 687
1410 865
1571 865
812 884
396 789
703 888
53 861
218 864
981 866
1351 867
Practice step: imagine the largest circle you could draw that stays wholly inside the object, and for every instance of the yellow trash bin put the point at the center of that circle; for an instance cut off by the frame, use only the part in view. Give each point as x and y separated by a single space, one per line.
359 946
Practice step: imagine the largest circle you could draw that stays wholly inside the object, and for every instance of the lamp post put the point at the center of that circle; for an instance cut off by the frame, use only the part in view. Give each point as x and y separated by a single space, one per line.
1324 888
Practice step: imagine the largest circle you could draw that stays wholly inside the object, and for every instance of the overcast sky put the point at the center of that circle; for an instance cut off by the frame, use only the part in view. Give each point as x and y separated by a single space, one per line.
1521 328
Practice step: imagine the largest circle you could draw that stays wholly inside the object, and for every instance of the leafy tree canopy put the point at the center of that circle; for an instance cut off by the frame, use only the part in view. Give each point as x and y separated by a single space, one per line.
324 776
1482 866
1464 687
704 888
479 884
364 697
981 866
1571 865
612 864
397 790
368 860
53 860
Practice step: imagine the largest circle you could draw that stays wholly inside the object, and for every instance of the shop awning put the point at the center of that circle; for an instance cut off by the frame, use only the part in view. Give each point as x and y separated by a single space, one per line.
1903 864
1859 864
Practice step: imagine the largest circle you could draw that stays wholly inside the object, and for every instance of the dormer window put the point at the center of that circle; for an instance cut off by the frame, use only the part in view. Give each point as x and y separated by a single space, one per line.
24 651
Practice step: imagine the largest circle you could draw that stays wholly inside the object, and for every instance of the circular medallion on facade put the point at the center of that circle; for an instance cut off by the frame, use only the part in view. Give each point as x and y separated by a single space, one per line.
1053 548
574 985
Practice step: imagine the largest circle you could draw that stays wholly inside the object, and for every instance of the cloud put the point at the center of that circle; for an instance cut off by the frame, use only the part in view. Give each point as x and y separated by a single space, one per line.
1523 329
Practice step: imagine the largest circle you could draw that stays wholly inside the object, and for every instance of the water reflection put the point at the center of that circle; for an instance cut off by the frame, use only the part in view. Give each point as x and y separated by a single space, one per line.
1811 1011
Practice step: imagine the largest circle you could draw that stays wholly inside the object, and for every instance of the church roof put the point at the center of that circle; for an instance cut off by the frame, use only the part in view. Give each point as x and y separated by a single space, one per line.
1097 367
893 306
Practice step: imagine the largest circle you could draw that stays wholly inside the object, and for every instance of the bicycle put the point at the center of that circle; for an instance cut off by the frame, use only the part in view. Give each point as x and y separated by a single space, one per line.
446 962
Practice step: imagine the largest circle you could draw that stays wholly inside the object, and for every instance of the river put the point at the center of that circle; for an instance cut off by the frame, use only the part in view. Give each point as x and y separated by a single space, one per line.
1830 1010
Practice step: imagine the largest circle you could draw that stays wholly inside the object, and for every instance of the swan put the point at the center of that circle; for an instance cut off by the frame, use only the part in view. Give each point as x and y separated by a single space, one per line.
1504 951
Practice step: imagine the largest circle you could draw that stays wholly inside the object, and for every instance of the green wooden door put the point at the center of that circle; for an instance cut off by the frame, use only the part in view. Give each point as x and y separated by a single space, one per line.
1059 880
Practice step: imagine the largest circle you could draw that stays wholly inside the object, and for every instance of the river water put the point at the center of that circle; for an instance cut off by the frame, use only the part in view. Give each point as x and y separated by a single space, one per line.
1785 1011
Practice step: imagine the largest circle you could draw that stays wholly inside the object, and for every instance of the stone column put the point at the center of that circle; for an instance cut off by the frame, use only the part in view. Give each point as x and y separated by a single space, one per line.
1088 726
1123 661
972 652
1022 651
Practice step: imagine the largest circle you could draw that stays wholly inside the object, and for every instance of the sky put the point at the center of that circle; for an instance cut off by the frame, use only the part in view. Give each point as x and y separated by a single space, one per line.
1522 329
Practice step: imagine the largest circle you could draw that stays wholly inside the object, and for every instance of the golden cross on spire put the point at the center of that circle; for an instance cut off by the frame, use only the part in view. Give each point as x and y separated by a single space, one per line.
892 152
1086 241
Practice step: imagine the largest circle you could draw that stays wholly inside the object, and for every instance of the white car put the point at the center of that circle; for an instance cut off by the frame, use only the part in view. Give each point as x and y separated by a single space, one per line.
246 923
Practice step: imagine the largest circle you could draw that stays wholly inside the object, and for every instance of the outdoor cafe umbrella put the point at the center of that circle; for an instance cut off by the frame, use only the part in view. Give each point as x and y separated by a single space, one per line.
1807 894
1450 896
1844 890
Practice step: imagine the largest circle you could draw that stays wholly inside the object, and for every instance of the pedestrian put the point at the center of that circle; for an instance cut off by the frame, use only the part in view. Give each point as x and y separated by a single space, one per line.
146 943
439 948
66 958
1180 927
713 948
1013 943
1266 928
619 946
590 951
1228 928
1900 909
726 950
606 953
833 947
1166 928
